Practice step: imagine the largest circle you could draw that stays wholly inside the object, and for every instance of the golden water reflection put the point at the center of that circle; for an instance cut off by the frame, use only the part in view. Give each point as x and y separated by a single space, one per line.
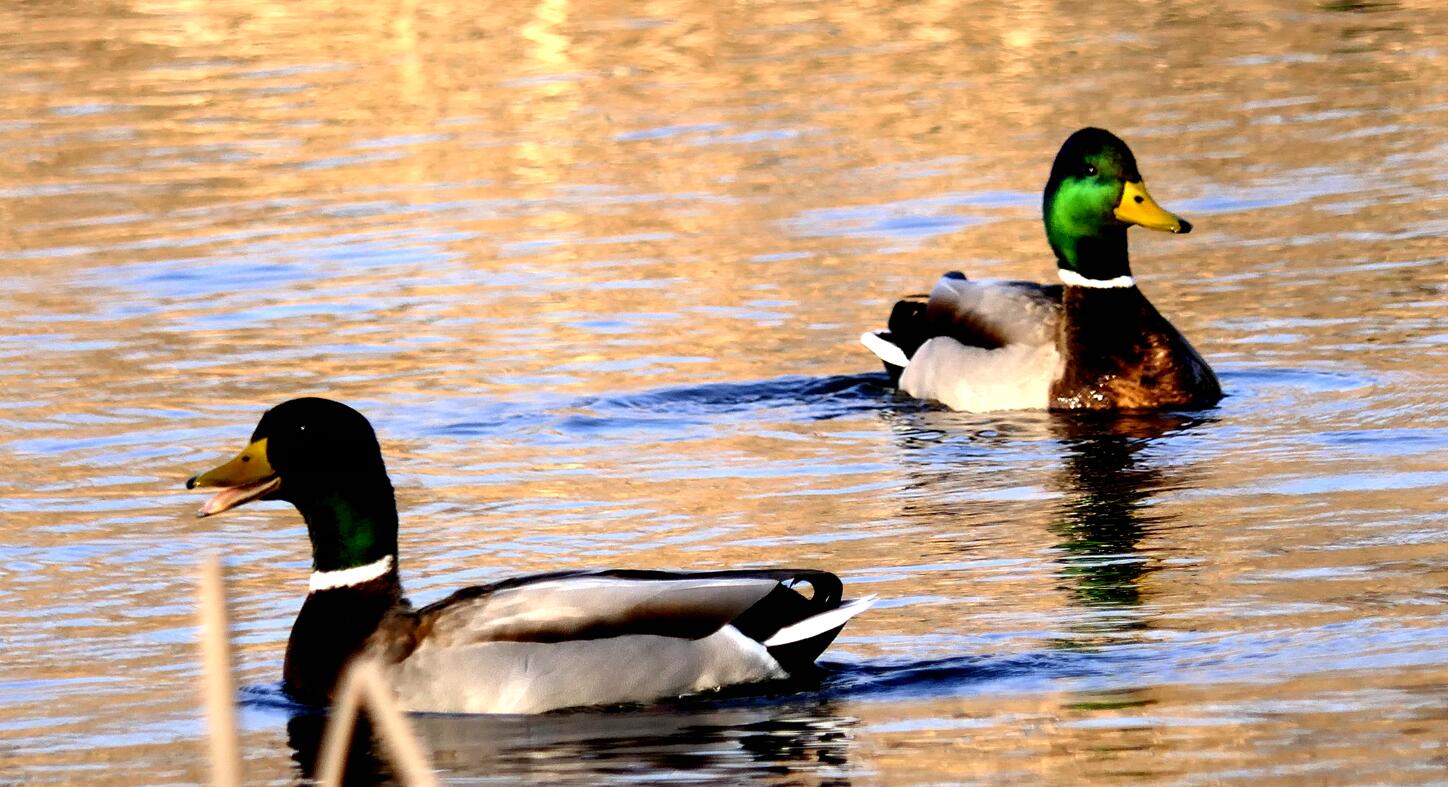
597 271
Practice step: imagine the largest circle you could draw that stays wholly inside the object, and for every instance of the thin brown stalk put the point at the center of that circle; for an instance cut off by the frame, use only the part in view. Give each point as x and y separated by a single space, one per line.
218 684
363 684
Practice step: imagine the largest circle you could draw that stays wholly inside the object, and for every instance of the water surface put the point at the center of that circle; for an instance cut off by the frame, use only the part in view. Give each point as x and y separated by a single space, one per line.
597 273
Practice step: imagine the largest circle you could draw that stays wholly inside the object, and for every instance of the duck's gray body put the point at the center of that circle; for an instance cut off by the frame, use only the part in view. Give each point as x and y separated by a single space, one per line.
534 677
558 641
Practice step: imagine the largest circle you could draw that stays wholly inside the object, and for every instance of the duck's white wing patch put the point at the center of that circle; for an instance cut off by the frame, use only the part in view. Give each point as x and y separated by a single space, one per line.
819 624
593 606
534 677
1013 312
884 349
1014 377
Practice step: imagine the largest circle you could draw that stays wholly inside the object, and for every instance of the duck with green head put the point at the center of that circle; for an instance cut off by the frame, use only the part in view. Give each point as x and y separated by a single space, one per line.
1094 342
522 645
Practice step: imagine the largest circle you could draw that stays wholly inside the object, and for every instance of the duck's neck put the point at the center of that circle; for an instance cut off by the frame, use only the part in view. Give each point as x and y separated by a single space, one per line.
354 584
1102 256
351 527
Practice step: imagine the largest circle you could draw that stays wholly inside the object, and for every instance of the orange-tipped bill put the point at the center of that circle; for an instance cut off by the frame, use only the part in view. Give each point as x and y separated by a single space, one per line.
247 477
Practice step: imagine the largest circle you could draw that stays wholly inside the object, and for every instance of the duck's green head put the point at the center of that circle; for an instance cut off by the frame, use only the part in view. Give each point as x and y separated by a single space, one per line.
322 457
1095 192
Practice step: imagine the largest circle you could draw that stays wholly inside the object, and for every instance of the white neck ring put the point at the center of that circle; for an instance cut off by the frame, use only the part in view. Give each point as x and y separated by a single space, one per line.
347 577
1074 279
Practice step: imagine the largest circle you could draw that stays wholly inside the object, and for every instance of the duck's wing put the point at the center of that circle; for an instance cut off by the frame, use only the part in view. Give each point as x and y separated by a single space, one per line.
991 313
585 638
988 314
582 605
975 345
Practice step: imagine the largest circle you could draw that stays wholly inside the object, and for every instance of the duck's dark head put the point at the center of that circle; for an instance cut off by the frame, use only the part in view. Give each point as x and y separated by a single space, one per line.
1094 193
322 457
299 448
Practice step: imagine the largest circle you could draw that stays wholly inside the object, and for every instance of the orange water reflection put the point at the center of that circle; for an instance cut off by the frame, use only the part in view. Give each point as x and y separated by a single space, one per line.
491 227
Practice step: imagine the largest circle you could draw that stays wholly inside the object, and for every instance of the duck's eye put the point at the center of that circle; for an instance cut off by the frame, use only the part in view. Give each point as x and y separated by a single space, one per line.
1090 171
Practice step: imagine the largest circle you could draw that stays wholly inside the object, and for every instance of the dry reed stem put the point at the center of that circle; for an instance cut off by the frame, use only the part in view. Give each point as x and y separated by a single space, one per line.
218 686
363 683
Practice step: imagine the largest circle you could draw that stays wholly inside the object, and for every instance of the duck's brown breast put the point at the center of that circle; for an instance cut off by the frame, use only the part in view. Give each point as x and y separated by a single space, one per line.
1121 354
335 625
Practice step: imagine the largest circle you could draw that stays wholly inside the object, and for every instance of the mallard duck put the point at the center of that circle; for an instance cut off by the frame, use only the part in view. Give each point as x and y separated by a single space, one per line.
523 645
1093 342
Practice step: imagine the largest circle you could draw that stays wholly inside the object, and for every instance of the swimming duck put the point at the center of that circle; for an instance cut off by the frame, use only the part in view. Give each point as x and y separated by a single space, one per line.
523 645
1093 342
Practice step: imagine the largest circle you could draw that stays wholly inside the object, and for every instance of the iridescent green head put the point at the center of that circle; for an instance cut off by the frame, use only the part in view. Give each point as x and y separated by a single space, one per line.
1095 192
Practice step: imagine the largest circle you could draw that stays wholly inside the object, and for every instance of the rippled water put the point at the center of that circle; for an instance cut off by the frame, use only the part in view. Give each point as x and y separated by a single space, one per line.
596 274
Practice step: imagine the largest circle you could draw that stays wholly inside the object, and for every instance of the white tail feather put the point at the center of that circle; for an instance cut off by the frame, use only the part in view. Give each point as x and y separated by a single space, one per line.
819 624
884 350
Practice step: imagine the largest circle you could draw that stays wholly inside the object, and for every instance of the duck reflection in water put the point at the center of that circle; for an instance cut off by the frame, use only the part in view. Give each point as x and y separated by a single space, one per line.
1109 479
721 740
988 471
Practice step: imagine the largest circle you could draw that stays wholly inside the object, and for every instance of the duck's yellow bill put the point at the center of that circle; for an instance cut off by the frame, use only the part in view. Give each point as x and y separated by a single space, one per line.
1137 207
245 478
